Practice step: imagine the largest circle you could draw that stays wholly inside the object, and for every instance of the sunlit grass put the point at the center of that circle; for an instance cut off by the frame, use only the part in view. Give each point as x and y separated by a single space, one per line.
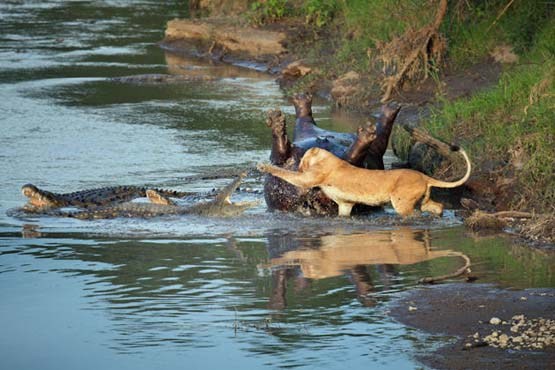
512 125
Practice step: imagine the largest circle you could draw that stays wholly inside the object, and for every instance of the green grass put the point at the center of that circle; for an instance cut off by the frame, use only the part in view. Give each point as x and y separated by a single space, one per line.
518 113
474 28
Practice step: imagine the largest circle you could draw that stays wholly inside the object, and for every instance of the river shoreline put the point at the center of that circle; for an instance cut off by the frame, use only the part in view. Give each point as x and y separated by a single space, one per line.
226 41
468 312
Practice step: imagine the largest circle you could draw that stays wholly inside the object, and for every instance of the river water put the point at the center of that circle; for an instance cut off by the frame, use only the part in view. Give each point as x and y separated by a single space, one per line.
260 290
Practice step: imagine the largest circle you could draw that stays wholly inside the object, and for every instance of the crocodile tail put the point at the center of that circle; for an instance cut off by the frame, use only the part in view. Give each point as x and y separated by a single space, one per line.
446 184
225 194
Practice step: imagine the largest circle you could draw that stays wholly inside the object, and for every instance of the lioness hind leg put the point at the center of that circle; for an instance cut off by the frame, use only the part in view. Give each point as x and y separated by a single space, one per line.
403 207
432 207
429 205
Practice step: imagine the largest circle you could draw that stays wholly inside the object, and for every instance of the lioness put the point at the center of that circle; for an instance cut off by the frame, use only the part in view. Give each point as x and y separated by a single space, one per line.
347 185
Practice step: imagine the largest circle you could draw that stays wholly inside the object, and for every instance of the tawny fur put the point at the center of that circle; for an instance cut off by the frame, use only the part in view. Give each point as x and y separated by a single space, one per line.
347 185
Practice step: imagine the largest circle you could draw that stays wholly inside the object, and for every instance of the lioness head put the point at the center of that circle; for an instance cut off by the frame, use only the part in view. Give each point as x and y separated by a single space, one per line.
310 158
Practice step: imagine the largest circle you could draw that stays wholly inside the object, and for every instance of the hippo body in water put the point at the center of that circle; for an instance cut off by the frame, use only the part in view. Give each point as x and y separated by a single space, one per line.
363 149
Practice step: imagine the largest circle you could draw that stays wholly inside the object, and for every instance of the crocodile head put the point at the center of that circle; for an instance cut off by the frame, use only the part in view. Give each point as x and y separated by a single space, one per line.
222 205
39 198
156 197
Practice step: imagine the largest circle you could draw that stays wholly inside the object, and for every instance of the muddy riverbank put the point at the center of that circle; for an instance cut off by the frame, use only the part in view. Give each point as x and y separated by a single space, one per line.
471 314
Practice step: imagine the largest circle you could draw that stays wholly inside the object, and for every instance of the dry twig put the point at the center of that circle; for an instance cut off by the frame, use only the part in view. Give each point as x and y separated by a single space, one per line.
459 272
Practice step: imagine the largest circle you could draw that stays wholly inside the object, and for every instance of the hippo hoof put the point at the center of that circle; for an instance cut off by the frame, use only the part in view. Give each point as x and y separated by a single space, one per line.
367 134
275 119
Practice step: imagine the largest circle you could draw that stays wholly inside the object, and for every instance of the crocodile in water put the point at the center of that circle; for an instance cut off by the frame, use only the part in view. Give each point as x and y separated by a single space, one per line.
221 206
157 78
40 199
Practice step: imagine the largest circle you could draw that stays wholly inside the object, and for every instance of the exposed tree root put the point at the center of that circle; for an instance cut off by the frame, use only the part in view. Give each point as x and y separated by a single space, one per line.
540 227
484 221
408 56
480 220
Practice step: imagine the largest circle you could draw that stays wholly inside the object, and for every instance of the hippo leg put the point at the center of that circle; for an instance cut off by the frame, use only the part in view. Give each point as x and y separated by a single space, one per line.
359 149
303 105
371 143
376 150
281 146
305 126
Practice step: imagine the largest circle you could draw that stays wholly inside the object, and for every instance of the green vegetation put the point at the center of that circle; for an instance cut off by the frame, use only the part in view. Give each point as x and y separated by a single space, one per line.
320 12
474 31
268 11
513 127
472 27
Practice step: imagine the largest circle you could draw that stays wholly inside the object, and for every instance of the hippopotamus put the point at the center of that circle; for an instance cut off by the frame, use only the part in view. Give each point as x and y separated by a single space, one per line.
363 149
105 203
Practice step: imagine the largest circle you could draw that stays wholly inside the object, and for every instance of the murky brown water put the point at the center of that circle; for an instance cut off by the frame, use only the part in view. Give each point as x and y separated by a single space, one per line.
261 290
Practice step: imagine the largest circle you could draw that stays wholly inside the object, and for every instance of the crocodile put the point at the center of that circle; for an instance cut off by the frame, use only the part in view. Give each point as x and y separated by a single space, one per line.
90 198
220 205
159 78
365 148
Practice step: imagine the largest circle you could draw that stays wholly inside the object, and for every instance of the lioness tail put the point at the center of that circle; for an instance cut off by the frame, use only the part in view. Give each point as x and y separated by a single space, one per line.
445 184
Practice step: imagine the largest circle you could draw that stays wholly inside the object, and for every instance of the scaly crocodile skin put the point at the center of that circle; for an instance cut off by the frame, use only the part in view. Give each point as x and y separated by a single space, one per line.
219 206
91 198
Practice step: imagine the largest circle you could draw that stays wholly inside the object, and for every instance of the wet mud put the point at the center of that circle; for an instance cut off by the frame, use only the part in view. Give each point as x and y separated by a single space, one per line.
462 310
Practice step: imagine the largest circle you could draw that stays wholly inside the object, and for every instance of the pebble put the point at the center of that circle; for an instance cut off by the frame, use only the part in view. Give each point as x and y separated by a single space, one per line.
495 321
519 334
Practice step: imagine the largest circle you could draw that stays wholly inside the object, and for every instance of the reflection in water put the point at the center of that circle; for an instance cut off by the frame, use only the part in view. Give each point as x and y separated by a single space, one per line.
325 295
334 255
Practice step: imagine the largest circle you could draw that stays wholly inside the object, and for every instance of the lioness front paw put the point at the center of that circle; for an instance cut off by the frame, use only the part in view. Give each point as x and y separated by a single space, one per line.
263 167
